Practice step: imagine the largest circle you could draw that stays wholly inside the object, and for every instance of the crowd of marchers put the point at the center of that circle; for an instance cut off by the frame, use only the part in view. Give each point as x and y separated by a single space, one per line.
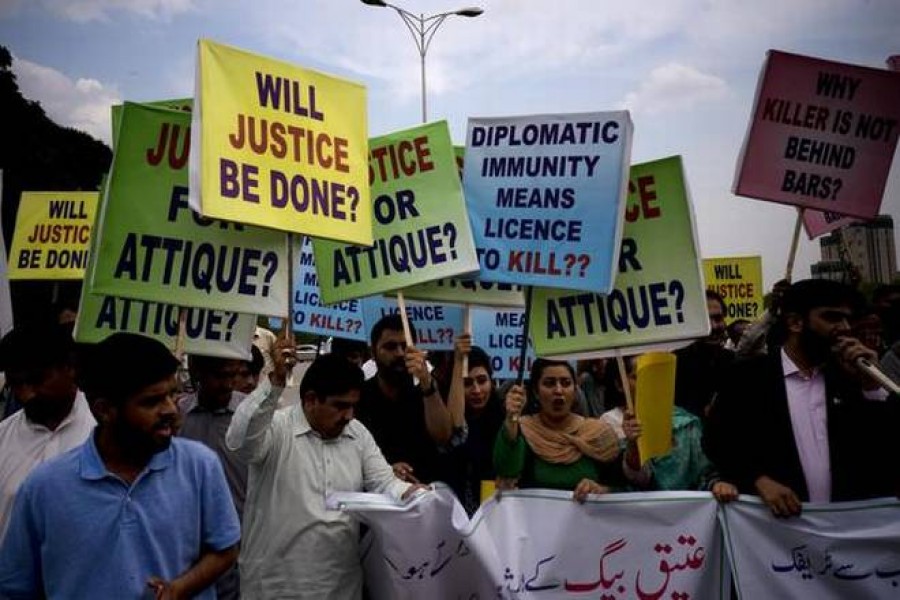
123 475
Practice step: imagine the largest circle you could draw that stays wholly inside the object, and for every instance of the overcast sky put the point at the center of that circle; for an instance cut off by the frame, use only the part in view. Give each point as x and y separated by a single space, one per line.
686 69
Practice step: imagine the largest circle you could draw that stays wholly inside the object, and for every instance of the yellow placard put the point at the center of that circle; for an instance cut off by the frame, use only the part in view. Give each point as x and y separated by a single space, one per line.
281 146
52 235
738 279
488 487
654 403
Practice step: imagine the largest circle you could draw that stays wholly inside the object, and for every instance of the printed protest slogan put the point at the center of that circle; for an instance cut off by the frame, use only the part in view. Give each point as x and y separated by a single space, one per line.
539 544
500 334
280 146
153 247
658 301
434 326
463 290
822 135
545 196
847 550
460 153
536 543
343 319
421 230
207 332
183 104
817 222
467 290
738 279
52 235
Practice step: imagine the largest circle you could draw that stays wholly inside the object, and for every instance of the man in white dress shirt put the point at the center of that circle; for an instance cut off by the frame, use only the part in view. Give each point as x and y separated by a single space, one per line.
40 371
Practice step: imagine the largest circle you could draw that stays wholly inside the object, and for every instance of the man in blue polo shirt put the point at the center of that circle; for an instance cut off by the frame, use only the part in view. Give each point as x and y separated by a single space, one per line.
132 512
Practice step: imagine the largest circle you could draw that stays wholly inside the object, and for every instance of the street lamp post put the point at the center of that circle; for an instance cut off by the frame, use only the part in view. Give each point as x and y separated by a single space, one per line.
423 29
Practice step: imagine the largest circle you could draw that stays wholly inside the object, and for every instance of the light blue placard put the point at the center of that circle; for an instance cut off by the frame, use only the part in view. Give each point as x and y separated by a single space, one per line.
341 319
500 334
545 195
435 324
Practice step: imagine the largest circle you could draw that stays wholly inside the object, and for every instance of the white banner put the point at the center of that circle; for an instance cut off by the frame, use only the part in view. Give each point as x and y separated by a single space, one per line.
541 544
832 551
426 549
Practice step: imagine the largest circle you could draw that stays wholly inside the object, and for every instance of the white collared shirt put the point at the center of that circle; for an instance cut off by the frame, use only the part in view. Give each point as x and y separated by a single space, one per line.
809 420
24 445
292 545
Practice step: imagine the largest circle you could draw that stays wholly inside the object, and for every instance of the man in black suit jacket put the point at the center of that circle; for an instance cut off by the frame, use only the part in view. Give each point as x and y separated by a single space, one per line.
804 423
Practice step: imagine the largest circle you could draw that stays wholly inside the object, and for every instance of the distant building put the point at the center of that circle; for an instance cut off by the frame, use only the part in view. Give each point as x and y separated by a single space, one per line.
868 246
831 269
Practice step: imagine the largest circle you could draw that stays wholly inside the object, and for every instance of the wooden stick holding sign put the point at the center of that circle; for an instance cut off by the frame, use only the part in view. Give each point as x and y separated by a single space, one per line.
623 375
287 331
404 318
182 333
794 243
523 353
467 329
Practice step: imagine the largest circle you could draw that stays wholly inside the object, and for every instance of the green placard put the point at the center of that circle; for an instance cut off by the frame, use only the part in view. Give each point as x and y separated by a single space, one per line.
461 290
153 247
421 228
208 332
182 104
658 301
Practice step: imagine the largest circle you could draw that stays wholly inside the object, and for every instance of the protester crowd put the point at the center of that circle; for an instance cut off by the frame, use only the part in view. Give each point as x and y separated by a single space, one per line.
120 480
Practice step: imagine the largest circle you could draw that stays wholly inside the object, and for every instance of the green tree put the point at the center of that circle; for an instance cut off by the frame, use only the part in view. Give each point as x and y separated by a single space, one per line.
36 154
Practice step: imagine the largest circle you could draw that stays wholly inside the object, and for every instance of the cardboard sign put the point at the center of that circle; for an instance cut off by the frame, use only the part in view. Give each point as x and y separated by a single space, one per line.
279 146
421 228
658 302
500 334
472 291
208 332
738 279
545 196
343 319
817 222
822 135
153 247
183 104
435 325
52 236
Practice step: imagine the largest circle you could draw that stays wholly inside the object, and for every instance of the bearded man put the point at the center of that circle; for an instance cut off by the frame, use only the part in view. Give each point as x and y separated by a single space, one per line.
805 423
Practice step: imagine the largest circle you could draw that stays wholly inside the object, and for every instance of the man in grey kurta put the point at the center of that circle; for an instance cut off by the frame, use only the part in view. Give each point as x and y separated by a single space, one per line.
206 414
293 547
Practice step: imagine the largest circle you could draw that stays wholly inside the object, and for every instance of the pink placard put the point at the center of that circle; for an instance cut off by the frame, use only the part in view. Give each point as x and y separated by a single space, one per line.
819 223
822 136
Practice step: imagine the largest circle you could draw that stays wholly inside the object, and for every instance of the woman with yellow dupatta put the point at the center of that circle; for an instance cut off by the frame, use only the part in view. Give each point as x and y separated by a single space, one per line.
555 448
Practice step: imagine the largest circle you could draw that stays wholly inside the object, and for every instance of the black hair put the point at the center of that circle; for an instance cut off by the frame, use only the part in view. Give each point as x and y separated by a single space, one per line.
808 294
331 375
479 358
883 292
540 364
199 363
123 364
344 346
36 346
614 395
717 297
392 322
